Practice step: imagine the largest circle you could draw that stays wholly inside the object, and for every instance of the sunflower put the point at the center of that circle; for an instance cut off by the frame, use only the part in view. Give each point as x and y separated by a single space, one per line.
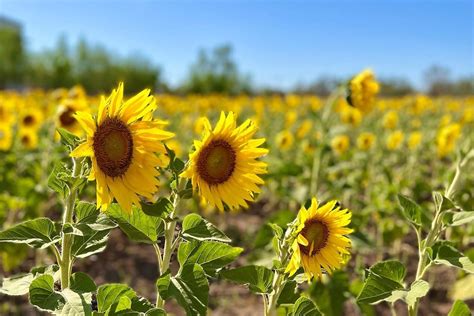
31 118
447 138
365 141
362 91
28 138
414 139
395 140
284 140
122 141
340 144
65 115
320 242
5 137
390 120
224 166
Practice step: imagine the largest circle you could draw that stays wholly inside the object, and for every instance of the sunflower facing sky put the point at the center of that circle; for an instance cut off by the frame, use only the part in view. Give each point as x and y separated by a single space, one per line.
224 166
121 142
321 241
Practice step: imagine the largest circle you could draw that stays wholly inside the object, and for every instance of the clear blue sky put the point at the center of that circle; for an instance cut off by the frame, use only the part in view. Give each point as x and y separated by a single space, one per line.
278 42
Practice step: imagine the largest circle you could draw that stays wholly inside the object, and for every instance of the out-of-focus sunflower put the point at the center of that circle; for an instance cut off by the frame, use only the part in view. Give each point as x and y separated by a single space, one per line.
447 139
28 138
224 166
350 115
414 139
6 137
362 91
304 129
365 141
395 140
65 115
321 242
284 140
340 144
30 118
121 142
390 120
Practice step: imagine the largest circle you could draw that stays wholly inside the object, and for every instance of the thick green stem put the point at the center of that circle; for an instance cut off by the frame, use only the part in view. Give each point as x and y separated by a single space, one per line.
66 260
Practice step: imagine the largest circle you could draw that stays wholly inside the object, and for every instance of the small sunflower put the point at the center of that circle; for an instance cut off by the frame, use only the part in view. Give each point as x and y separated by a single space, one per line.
224 166
65 115
6 137
284 140
362 91
365 141
321 242
122 141
28 138
340 144
31 118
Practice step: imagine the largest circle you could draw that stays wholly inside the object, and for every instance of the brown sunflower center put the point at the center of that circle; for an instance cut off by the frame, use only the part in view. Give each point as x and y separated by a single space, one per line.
216 162
28 120
317 233
25 140
66 118
113 147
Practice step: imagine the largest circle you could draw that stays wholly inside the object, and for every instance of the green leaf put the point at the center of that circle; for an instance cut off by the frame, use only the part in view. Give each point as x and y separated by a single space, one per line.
411 210
442 203
43 295
383 278
331 295
68 139
76 304
20 284
190 289
161 208
444 253
305 307
155 312
136 224
82 283
277 230
110 294
289 294
211 255
89 244
258 278
38 233
460 308
196 227
459 218
418 289
58 179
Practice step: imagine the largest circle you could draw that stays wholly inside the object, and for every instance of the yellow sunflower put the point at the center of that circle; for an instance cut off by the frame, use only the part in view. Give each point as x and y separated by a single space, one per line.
65 115
30 118
321 242
362 91
224 166
284 140
28 138
6 137
121 142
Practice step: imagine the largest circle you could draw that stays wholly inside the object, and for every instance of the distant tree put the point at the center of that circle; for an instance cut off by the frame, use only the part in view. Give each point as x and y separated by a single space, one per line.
395 87
216 72
12 55
321 87
437 80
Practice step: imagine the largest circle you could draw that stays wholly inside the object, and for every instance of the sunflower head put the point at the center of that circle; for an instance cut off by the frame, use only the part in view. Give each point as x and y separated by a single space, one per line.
395 140
340 144
320 242
365 141
122 142
284 140
224 166
362 90
447 139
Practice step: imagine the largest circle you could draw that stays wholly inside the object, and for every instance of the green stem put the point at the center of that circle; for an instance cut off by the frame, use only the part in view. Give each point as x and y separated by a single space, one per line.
65 263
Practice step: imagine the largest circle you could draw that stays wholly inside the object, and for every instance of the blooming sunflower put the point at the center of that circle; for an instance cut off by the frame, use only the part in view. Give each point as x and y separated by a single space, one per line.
224 166
284 140
365 141
362 90
321 241
5 137
65 115
121 142
28 138
31 118
340 144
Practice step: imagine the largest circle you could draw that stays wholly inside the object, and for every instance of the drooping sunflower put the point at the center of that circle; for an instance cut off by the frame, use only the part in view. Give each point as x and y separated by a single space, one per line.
121 142
321 240
362 90
224 166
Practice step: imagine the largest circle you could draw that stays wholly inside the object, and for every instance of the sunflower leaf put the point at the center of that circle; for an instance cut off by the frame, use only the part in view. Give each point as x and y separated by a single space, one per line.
161 208
443 252
67 138
59 179
411 210
305 307
459 308
196 227
38 233
43 295
82 283
258 278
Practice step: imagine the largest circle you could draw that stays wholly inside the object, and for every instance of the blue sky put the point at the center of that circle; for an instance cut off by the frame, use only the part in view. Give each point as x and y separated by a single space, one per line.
279 43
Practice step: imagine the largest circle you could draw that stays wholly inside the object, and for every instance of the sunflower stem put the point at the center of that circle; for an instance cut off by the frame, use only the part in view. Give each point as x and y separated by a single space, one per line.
65 262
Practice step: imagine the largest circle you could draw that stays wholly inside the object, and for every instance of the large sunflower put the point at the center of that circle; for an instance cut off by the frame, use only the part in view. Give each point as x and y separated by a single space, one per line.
224 166
122 141
320 242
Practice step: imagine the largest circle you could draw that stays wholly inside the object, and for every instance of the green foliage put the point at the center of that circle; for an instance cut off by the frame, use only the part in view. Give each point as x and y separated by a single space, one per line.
258 278
20 284
12 55
161 208
138 226
197 228
43 295
76 304
82 283
460 308
443 252
113 298
383 278
190 288
38 233
331 295
305 307
210 255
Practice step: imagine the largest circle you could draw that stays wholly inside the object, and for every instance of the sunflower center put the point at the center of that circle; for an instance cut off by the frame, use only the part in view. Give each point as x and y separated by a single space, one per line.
216 162
113 147
316 232
66 118
28 120
25 140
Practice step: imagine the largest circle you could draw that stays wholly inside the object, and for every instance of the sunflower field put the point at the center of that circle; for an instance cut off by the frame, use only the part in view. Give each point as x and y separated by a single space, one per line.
155 204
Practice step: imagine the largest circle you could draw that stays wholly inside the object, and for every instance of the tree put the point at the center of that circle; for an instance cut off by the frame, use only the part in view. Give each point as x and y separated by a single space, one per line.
12 57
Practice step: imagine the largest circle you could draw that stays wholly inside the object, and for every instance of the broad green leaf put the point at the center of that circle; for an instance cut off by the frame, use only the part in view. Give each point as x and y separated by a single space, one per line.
110 294
258 278
418 289
196 227
210 255
305 307
289 294
458 218
136 224
89 218
38 233
76 304
89 244
58 179
82 283
68 139
17 285
161 208
190 289
383 278
442 203
444 253
411 210
460 308
43 295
